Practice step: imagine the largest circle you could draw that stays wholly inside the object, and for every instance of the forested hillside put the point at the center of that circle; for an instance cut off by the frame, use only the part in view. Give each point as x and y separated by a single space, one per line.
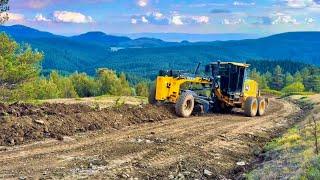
146 56
20 77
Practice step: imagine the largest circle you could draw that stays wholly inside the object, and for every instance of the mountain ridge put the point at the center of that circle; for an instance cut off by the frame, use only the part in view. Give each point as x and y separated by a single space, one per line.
145 56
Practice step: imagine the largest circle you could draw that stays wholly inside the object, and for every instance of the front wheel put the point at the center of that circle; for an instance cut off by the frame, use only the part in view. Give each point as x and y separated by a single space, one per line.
185 104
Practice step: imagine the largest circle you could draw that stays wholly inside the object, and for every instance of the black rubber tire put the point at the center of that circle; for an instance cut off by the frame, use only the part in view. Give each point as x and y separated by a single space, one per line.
185 105
251 107
262 105
152 96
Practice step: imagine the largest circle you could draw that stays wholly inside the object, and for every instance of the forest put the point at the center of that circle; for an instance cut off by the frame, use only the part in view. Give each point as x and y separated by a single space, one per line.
22 78
144 57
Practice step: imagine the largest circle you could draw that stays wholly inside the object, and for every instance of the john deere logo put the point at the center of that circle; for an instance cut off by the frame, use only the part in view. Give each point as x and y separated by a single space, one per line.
247 87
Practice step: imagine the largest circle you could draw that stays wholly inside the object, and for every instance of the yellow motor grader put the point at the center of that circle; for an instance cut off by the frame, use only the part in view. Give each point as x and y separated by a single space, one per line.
223 87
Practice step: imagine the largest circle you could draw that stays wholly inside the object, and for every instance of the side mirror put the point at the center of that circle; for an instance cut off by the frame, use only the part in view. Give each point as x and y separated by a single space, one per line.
208 68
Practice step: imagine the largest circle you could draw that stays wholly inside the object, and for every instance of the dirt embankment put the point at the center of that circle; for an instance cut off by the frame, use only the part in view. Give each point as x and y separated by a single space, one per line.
213 146
21 123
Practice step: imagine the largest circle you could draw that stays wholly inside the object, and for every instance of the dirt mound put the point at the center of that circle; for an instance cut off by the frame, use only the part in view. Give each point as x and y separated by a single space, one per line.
20 123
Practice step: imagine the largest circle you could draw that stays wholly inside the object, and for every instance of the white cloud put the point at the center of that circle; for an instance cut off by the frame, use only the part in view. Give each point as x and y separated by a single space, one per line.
280 18
142 3
201 19
176 20
199 5
40 17
173 18
233 21
144 19
71 17
134 21
300 3
239 3
151 17
309 20
15 17
158 15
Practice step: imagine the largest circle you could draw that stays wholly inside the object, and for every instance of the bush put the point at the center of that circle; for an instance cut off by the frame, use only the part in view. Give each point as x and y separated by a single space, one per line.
111 84
84 85
39 89
294 87
142 89
64 84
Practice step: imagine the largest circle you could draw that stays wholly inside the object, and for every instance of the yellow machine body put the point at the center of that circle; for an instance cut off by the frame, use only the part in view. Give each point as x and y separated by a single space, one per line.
250 89
225 88
168 88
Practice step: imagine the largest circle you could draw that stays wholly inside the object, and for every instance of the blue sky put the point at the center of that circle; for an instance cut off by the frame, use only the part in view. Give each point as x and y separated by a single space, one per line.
184 16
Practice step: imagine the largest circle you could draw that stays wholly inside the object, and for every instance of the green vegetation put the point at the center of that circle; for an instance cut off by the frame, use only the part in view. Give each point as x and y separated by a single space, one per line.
280 83
20 78
294 155
144 57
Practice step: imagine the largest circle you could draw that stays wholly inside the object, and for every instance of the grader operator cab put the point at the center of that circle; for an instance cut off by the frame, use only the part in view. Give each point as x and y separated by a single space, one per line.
222 88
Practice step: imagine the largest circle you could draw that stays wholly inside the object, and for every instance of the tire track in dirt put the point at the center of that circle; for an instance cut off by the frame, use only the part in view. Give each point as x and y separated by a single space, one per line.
174 146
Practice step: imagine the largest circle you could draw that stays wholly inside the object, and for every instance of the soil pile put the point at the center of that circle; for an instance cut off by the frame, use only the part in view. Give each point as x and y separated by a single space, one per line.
20 123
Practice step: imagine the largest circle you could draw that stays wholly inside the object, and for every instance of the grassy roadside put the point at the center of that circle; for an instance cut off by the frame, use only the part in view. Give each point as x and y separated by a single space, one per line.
294 154
282 94
96 102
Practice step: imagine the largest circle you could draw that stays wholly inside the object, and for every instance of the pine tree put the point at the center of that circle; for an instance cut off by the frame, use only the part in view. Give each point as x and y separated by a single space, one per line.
254 75
268 77
18 65
277 83
305 73
288 79
297 77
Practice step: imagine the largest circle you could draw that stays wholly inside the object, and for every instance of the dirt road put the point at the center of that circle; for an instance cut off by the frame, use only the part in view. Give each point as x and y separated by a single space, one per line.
214 146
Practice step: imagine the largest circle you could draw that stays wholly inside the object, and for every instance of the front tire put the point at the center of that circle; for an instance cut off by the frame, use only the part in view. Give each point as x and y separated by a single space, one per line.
251 107
185 105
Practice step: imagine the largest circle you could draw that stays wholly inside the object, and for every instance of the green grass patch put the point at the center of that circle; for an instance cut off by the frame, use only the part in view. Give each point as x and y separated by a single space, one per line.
271 92
297 93
293 154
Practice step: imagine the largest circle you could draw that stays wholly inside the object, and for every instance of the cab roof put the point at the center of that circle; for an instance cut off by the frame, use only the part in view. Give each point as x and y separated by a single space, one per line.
233 63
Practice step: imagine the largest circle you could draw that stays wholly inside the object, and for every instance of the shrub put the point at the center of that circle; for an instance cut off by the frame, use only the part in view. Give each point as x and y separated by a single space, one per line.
84 85
111 84
142 89
294 87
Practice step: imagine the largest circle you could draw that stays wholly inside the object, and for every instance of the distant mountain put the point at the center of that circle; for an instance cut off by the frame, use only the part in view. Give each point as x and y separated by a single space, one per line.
178 37
19 31
145 56
147 43
102 38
